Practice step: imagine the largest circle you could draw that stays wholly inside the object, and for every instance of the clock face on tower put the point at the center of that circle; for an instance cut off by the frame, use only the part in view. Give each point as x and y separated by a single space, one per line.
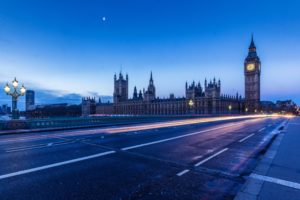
250 67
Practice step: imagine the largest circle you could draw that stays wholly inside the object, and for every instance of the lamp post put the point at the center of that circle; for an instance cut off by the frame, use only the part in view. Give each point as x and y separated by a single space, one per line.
15 95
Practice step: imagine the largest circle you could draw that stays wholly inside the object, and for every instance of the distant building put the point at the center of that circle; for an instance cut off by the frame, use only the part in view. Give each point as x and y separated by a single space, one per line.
287 106
268 106
4 109
54 110
88 106
198 99
105 108
29 100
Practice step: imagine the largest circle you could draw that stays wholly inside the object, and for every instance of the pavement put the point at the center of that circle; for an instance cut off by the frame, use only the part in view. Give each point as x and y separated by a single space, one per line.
201 160
277 175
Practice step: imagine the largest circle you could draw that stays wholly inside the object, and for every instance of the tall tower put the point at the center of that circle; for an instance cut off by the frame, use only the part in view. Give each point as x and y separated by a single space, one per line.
150 94
120 88
252 69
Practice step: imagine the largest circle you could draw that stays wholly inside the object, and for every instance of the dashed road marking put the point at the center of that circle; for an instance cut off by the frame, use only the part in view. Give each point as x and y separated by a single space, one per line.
260 130
245 138
210 157
183 172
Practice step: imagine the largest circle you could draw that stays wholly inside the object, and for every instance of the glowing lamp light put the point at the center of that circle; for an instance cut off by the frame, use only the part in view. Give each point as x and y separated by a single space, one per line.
191 103
229 107
246 109
23 90
7 88
15 83
15 95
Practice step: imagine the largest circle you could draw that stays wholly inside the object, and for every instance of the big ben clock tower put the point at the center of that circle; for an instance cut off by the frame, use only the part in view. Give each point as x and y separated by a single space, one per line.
252 70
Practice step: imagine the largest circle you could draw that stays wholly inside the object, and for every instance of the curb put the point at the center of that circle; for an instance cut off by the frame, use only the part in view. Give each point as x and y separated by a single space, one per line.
252 187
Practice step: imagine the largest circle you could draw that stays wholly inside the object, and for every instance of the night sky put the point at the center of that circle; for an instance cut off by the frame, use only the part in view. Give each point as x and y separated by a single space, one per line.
77 46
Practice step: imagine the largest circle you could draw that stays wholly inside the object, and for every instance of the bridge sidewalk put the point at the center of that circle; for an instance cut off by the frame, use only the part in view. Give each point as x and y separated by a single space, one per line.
277 176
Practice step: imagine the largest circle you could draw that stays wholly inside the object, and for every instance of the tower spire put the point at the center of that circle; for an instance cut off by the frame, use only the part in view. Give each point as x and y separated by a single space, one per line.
252 46
135 93
151 78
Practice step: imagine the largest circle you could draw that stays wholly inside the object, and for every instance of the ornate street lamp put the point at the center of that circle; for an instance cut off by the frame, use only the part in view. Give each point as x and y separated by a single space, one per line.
15 95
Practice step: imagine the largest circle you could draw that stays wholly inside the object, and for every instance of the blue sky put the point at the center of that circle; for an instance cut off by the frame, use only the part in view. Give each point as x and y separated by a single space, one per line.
66 47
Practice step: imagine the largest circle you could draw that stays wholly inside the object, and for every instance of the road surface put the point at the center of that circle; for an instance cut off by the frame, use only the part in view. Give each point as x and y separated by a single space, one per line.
192 160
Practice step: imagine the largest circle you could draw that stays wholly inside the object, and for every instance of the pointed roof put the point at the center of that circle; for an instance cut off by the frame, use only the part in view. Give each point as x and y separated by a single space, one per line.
151 77
252 45
252 54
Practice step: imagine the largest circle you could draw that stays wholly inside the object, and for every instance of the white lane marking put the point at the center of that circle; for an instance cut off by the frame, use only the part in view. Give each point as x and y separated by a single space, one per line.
177 137
269 125
245 138
183 172
54 165
260 130
23 147
276 180
210 157
37 147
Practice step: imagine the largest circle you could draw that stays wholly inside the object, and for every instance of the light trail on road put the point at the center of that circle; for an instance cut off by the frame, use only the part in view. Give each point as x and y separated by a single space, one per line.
142 127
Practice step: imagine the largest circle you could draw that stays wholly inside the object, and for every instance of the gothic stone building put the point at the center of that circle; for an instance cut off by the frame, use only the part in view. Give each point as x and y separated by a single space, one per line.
206 99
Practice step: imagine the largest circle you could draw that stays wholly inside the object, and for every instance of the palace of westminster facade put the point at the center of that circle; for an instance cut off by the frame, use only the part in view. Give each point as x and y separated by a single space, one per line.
198 100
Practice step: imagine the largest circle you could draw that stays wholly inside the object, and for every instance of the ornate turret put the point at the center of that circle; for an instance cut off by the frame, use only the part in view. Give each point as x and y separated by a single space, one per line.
212 89
135 94
120 88
140 95
150 93
192 91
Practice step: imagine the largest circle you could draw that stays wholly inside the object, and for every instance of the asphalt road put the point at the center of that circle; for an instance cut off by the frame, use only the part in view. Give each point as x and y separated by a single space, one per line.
207 160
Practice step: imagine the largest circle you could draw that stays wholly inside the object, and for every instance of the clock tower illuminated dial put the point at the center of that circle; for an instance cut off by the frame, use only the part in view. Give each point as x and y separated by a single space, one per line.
252 69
